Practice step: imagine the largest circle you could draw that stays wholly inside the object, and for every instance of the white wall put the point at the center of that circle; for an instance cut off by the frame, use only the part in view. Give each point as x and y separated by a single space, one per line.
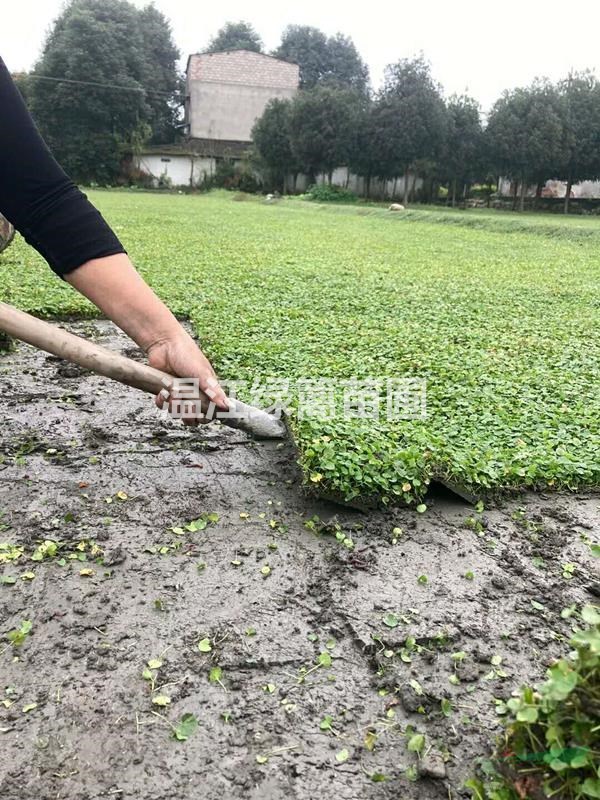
177 167
589 189
378 189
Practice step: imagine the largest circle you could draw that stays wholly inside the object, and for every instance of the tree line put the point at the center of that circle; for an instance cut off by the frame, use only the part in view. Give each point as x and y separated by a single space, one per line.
408 128
533 134
107 83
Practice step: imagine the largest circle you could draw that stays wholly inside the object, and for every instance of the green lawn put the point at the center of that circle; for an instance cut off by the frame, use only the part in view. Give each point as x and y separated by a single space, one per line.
500 314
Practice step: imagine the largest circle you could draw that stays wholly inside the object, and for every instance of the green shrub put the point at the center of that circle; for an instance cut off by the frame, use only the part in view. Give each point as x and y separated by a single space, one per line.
234 177
225 175
323 193
164 182
483 190
246 181
551 741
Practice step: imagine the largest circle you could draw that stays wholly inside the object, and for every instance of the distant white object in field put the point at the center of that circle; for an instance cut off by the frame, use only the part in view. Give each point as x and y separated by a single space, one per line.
269 198
396 207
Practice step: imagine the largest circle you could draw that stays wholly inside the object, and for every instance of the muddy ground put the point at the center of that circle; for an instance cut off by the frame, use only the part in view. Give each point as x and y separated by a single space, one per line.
97 468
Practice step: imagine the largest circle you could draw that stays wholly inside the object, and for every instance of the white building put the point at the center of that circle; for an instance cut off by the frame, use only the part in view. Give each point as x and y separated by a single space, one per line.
226 92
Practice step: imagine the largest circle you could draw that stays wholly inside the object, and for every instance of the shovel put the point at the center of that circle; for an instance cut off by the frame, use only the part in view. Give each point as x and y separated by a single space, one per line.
254 421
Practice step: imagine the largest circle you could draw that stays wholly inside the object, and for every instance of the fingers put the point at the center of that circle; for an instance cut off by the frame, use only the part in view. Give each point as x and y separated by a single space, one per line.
192 410
194 399
210 386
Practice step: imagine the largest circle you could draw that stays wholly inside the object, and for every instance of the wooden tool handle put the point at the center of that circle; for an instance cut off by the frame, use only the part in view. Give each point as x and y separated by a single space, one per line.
104 362
73 348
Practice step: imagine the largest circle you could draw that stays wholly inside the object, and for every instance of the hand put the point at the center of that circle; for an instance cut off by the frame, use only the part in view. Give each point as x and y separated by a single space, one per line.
180 356
121 293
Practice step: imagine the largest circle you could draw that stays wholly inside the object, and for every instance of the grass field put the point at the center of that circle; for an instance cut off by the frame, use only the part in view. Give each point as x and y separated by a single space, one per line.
499 314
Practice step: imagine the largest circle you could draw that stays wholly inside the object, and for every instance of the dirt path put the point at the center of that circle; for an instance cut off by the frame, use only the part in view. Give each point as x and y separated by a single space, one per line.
274 722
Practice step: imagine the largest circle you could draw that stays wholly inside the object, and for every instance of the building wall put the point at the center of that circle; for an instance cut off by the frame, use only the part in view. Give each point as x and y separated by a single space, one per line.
182 170
181 167
228 92
228 111
378 190
553 188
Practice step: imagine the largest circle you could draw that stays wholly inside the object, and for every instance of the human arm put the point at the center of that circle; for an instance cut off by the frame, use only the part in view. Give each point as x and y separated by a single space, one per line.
119 291
56 218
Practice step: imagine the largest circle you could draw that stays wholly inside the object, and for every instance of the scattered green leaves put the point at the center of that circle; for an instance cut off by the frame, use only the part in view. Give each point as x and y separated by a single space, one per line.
17 637
161 700
185 728
551 733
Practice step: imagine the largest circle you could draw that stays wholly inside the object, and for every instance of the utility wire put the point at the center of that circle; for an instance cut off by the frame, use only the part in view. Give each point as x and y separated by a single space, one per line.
99 85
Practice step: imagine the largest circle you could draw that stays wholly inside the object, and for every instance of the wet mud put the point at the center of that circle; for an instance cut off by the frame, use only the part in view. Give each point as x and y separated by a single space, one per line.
319 659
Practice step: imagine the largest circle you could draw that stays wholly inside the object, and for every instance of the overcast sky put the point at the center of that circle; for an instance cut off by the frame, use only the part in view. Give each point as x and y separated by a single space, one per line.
478 46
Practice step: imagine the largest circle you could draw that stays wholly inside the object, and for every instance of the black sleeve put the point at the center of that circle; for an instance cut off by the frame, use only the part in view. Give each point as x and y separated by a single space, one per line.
42 203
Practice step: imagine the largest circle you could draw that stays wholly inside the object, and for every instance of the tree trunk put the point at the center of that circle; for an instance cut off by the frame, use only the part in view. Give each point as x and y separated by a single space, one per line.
515 195
330 176
294 182
395 186
347 177
406 189
412 187
522 195
453 192
368 187
538 193
568 194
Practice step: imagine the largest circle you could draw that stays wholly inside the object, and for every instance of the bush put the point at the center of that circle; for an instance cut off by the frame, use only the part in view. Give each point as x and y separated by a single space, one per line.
234 177
483 190
225 175
323 193
551 743
247 181
164 182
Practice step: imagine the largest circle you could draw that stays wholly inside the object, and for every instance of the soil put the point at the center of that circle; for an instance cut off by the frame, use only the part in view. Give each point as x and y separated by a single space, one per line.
71 443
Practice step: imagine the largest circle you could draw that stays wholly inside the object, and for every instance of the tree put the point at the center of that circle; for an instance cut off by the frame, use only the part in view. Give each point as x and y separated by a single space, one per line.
323 129
110 44
463 145
344 65
365 156
307 47
236 36
322 59
271 137
525 134
580 102
379 136
160 72
412 118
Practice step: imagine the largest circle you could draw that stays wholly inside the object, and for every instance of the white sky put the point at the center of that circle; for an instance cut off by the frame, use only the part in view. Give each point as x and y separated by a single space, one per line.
478 46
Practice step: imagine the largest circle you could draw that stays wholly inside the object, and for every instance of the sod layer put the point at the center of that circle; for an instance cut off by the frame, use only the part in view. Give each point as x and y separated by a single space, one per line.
498 314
